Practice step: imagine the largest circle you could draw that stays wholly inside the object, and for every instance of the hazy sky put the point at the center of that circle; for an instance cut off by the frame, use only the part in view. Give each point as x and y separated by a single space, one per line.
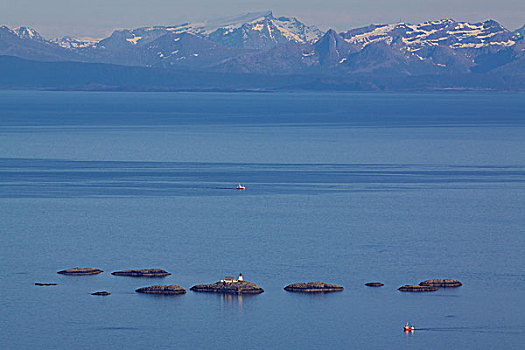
97 18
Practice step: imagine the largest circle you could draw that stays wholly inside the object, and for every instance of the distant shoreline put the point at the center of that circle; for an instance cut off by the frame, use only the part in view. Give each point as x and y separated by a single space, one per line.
21 74
261 91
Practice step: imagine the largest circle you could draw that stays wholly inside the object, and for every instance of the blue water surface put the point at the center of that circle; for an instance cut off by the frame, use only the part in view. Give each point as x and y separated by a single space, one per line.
345 188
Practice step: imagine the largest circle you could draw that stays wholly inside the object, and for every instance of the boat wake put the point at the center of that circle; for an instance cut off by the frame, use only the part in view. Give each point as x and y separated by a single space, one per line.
469 329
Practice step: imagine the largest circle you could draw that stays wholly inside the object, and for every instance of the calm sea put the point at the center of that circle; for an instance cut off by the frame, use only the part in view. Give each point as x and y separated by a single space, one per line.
345 188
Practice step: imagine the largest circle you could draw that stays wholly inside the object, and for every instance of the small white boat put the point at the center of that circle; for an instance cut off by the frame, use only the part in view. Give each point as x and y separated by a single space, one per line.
409 328
240 187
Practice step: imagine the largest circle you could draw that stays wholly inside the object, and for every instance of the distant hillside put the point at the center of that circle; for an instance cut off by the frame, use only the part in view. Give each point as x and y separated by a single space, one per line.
17 73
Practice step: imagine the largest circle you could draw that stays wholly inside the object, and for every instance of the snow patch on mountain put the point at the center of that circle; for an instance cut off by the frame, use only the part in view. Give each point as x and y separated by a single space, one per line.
376 33
134 40
447 32
520 32
72 43
191 28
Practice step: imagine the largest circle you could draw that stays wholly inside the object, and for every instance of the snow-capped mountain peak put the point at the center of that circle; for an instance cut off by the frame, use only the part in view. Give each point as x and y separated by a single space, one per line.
263 31
236 21
25 32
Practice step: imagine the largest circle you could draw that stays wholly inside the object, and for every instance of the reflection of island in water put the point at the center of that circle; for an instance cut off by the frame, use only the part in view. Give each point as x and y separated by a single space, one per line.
229 300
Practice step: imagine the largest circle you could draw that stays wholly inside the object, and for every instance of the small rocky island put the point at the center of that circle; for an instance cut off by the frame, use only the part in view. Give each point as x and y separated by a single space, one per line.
142 273
442 283
102 293
229 285
412 288
162 289
313 287
80 271
374 284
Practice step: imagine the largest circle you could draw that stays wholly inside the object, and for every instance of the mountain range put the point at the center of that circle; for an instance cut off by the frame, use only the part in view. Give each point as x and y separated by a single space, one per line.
428 55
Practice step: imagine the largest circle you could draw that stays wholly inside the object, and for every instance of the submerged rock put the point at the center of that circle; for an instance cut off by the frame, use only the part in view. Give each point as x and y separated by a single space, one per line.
142 273
162 289
412 288
78 271
239 287
313 287
446 283
45 284
374 284
103 293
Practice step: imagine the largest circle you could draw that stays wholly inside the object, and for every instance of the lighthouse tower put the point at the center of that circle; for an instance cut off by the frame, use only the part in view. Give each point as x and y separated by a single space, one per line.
240 277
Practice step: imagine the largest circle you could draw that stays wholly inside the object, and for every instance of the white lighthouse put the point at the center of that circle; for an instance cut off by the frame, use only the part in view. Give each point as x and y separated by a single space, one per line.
240 277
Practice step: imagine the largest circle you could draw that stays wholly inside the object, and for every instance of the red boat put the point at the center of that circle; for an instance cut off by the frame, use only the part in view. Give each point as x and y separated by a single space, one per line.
409 328
240 187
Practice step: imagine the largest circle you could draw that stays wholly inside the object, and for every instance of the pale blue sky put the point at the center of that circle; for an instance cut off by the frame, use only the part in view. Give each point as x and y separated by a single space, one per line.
97 18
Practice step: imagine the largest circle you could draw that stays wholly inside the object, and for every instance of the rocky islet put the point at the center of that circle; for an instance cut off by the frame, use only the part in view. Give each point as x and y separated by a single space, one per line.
416 289
313 287
442 283
101 293
172 289
142 273
374 284
431 285
80 271
237 287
